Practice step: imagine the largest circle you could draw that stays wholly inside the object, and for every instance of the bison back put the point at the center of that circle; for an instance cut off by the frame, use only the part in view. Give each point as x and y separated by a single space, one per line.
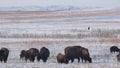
73 52
114 49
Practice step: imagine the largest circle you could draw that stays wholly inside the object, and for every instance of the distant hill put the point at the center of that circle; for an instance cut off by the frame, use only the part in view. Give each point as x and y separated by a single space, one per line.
26 8
53 7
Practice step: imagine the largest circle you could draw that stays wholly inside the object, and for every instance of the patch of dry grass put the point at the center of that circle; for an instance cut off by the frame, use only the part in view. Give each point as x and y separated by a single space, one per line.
24 15
37 42
98 33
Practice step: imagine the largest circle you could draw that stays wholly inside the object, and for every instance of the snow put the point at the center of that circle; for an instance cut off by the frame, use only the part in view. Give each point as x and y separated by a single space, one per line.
36 8
56 7
58 33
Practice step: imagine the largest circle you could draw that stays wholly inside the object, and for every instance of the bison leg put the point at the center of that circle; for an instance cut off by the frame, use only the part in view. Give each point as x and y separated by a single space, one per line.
26 59
82 60
44 60
38 59
32 58
78 59
85 60
114 51
5 60
1 60
72 60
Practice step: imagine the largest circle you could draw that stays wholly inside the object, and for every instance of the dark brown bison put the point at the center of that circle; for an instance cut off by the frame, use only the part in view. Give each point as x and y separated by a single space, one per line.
114 49
4 52
73 52
44 54
118 57
61 58
29 54
77 52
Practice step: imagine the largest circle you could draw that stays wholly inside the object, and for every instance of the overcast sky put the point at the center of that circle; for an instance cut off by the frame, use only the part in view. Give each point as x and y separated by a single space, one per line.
80 3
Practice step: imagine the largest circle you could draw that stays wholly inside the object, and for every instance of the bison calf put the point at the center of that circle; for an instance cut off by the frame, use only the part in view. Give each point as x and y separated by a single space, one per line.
61 58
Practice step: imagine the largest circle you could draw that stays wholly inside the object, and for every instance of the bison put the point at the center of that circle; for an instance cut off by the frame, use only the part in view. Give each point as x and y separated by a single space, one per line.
29 54
43 54
61 58
118 57
114 49
4 53
73 52
77 52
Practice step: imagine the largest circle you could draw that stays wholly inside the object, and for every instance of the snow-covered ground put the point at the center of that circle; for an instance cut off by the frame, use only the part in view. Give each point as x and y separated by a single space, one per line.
58 29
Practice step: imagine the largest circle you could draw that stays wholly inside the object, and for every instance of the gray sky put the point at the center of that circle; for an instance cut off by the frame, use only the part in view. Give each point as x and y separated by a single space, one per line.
80 3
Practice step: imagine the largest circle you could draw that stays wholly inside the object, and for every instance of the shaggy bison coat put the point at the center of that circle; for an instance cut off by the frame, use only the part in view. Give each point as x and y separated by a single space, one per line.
35 51
4 52
77 52
114 49
44 54
85 55
73 52
61 58
29 54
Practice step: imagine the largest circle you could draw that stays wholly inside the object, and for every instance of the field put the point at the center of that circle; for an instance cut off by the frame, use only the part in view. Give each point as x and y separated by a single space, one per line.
21 30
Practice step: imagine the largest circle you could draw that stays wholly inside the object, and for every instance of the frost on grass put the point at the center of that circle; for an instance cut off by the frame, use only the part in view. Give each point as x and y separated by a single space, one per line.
57 30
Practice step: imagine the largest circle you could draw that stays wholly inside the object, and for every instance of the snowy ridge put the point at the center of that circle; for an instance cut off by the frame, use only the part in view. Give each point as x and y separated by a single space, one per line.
53 7
27 8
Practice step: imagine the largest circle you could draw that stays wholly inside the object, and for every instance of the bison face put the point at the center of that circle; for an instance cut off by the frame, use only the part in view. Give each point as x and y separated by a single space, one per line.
22 54
90 60
66 60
